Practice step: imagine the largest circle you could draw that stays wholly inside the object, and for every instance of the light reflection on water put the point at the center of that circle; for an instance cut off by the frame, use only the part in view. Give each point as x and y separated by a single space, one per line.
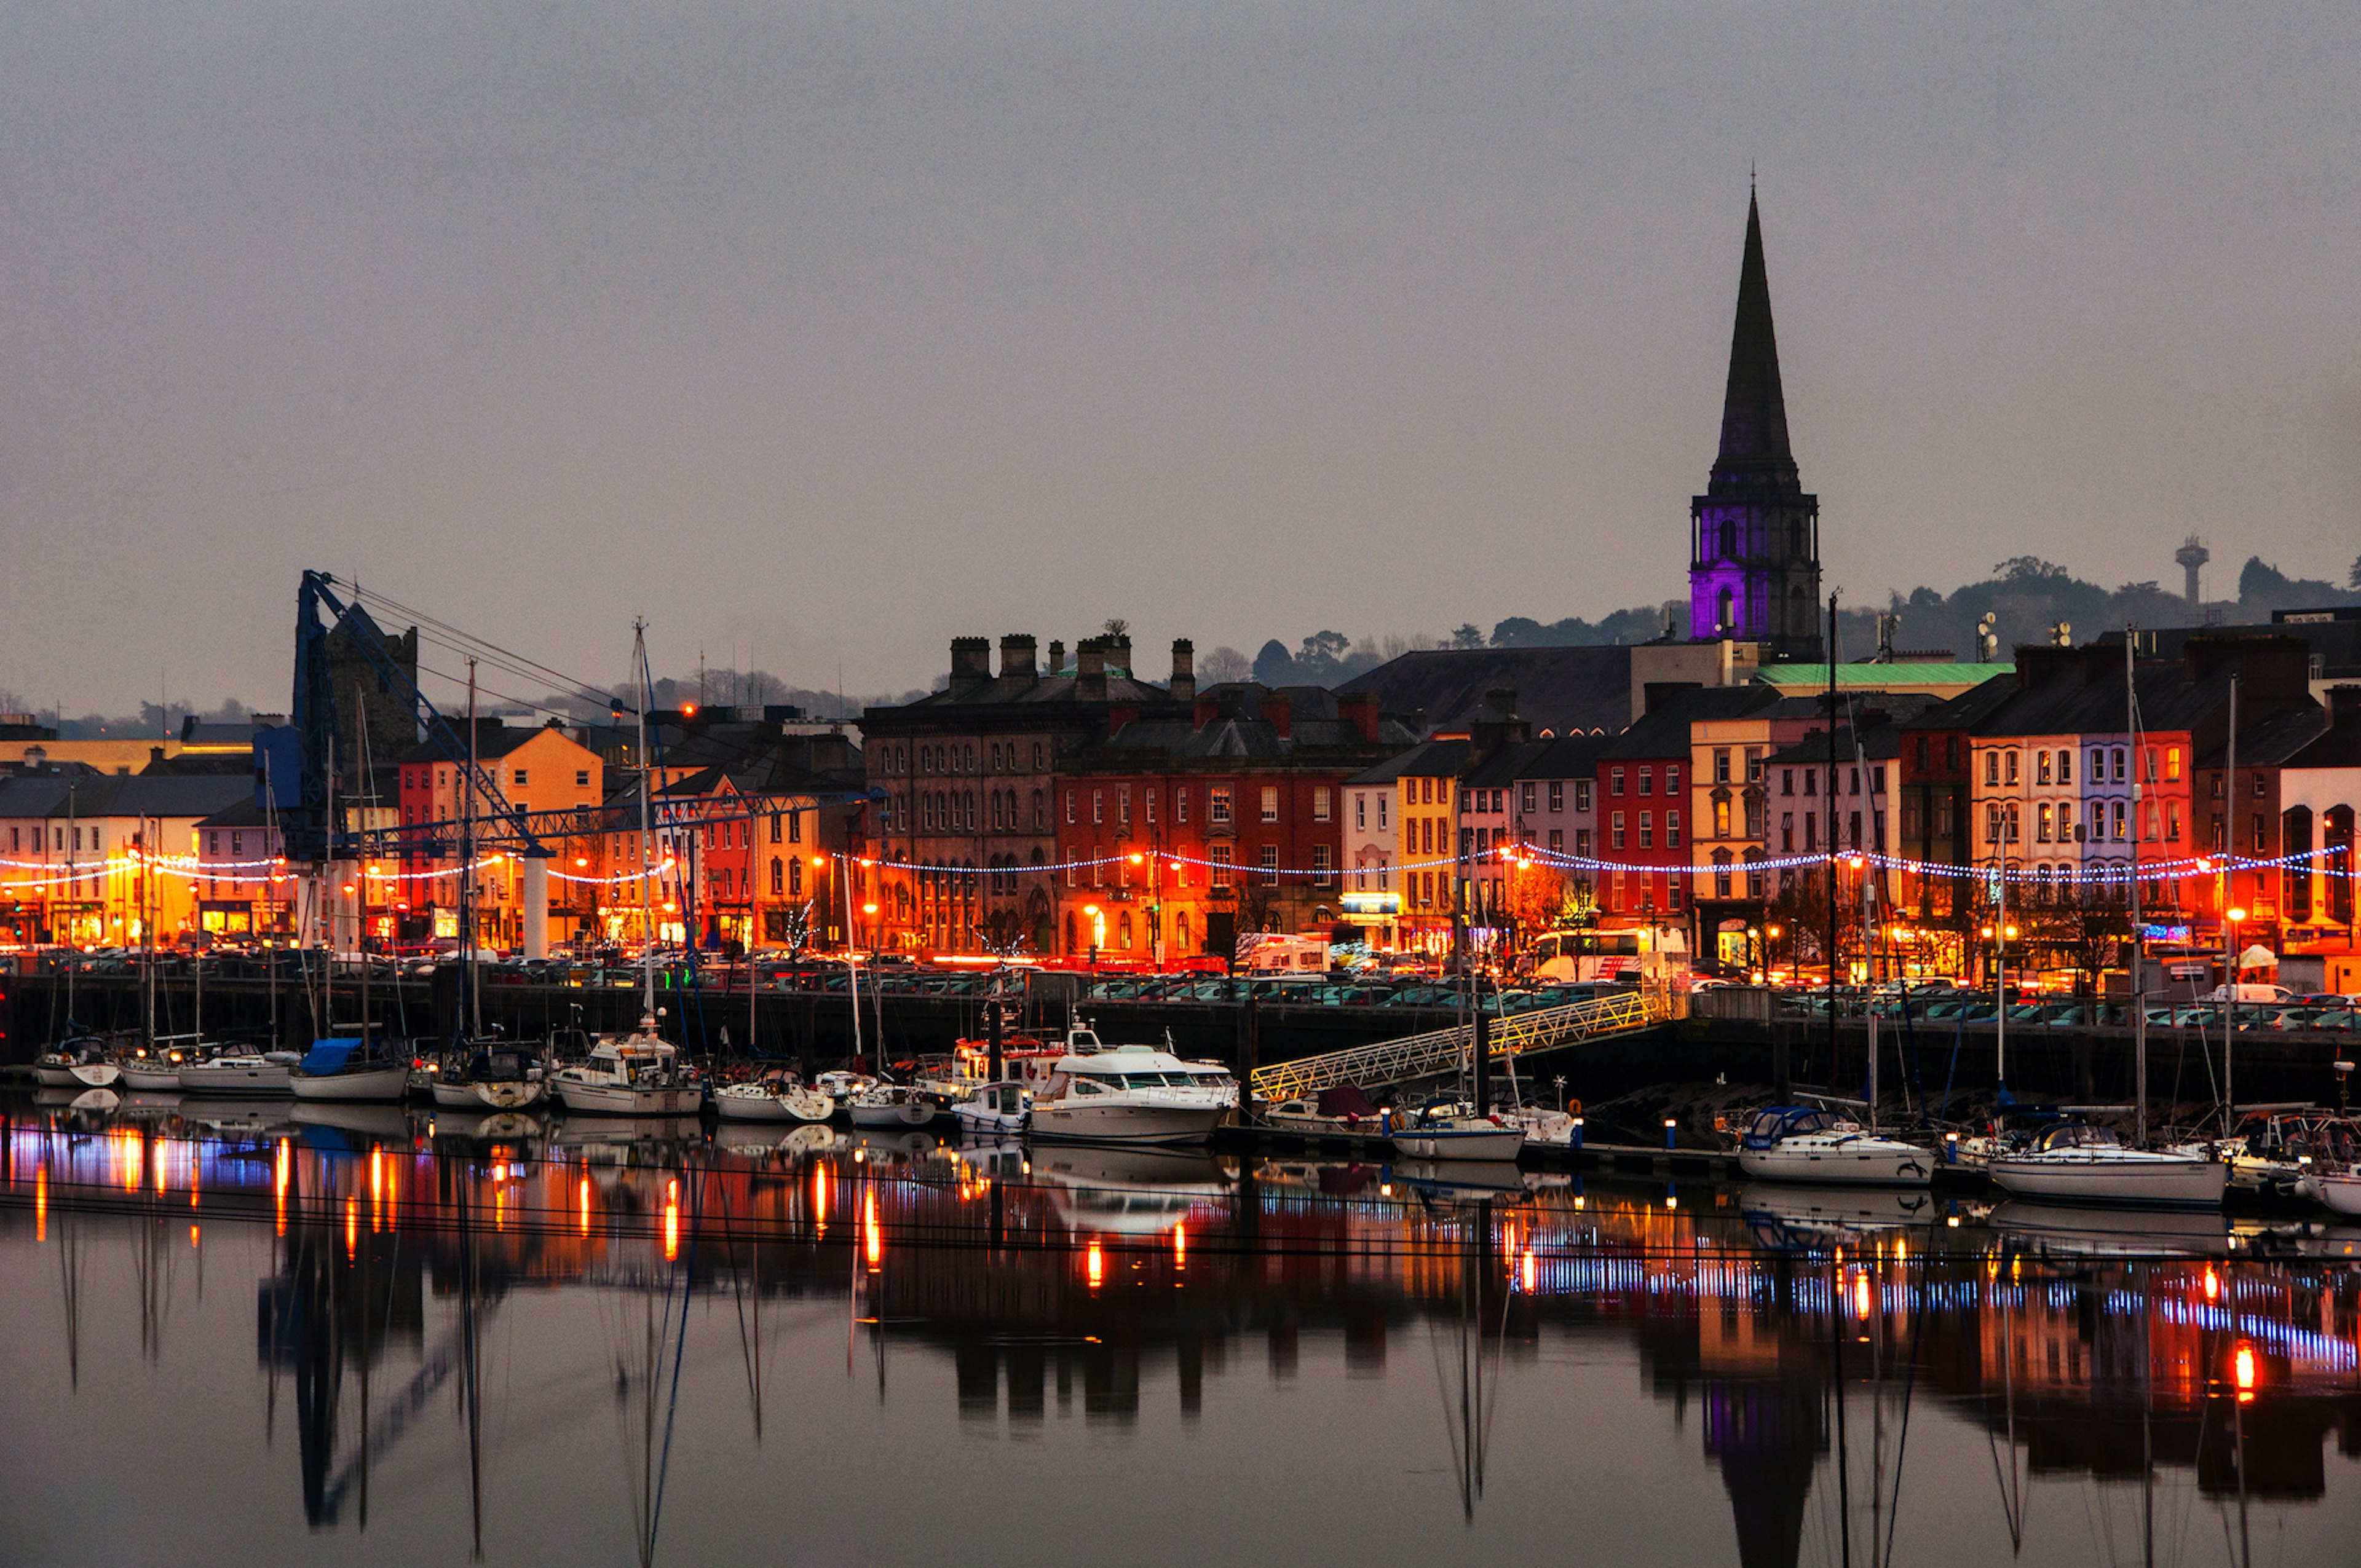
376 1334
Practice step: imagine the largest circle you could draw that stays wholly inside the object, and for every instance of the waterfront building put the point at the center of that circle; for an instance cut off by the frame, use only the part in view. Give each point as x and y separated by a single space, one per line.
1529 813
100 859
1176 836
1422 789
967 775
1560 691
543 772
2319 791
1644 811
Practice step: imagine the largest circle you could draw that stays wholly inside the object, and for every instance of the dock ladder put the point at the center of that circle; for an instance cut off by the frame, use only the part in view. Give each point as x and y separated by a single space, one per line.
1442 1050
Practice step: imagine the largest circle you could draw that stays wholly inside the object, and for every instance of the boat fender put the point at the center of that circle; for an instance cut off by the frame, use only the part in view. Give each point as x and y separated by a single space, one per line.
1495 1118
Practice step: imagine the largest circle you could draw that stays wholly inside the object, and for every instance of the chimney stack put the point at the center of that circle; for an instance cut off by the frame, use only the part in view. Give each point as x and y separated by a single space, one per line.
1016 656
1360 710
970 663
1090 670
1057 657
1279 709
1118 650
1184 669
2344 707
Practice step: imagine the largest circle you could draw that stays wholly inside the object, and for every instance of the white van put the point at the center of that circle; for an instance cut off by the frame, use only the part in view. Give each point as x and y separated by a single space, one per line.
1264 954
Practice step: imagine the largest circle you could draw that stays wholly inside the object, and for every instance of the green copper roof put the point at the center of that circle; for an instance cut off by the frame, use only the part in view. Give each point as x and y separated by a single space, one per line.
1817 675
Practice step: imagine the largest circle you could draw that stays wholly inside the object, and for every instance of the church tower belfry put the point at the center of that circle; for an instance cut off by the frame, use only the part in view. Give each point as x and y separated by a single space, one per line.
1754 535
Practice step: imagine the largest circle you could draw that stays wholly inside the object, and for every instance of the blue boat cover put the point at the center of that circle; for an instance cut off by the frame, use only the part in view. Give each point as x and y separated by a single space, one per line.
329 1056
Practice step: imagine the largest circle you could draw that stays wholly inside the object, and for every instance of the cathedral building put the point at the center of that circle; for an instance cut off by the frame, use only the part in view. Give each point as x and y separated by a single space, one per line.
1754 546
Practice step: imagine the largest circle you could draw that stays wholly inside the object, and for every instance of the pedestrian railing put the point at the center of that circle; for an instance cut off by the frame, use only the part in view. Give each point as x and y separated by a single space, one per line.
1440 1051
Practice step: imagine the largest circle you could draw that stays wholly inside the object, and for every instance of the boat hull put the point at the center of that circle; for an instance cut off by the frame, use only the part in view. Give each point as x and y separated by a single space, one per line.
152 1079
2157 1181
1490 1143
50 1076
618 1100
377 1083
1125 1123
1859 1162
900 1118
980 1123
2338 1194
505 1094
270 1078
804 1108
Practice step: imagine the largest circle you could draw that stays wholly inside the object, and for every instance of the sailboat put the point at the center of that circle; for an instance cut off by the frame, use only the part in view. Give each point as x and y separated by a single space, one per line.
640 1073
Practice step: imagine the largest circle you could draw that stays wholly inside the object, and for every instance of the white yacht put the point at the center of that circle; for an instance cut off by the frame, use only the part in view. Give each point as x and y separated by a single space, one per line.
345 1069
1127 1094
1813 1143
490 1077
893 1108
772 1101
639 1074
1450 1131
2074 1162
75 1066
247 1072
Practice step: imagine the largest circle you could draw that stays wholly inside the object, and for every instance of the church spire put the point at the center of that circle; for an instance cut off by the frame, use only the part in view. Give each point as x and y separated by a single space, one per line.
1754 409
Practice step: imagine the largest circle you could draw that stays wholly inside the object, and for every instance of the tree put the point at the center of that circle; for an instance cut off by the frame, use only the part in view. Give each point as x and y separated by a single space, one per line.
2085 937
1116 626
1223 663
1466 635
2354 580
1274 666
1258 908
1005 931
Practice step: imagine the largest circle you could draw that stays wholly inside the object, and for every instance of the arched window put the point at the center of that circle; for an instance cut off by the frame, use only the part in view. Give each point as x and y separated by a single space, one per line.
1729 541
778 876
1071 945
1722 613
1180 929
1123 929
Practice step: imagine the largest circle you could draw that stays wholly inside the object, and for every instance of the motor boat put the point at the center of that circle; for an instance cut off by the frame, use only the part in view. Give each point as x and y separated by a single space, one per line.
1544 1128
996 1110
1339 1111
1814 1143
770 1101
344 1068
638 1074
76 1065
893 1108
2076 1162
1448 1131
242 1072
490 1077
155 1071
1129 1094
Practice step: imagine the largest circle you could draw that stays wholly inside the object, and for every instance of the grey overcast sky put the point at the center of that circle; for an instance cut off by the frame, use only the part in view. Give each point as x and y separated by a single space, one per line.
823 332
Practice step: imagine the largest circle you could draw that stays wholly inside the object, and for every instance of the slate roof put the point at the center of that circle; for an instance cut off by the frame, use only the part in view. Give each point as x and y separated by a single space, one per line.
1567 757
121 794
1431 759
1562 689
1664 730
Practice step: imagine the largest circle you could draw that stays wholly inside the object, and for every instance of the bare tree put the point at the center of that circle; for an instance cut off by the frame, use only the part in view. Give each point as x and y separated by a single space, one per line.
1223 663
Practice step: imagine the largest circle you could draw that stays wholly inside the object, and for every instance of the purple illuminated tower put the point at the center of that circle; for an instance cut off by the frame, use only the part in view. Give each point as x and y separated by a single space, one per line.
1754 546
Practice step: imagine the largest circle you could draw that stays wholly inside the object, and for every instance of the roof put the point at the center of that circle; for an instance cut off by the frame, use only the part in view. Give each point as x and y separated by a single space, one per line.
1664 730
493 739
1754 407
2272 739
1567 757
247 813
1431 759
119 795
1566 690
1889 677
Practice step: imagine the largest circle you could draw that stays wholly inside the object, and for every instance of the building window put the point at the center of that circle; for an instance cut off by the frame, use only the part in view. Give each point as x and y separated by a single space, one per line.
1614 831
1147 803
1098 807
1672 830
1582 843
1721 766
1320 803
1647 782
2041 824
1070 805
1181 806
1786 781
1360 811
1269 803
1647 829
1557 794
2120 771
1123 805
1322 863
2041 768
1528 798
1383 801
1220 855
1582 795
1673 779
518 778
1217 807
2172 764
2066 767
1615 783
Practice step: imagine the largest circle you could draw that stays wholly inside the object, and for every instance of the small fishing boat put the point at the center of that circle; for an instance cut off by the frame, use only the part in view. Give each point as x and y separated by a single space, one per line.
995 1110
1452 1131
76 1064
490 1077
768 1100
893 1107
1814 1143
639 1074
2076 1162
242 1072
346 1069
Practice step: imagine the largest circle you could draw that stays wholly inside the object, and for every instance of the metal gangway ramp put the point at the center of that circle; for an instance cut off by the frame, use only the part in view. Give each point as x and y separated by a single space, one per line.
1443 1050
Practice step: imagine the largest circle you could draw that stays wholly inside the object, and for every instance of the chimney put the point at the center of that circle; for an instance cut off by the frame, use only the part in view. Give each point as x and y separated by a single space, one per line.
1056 657
1184 669
1497 724
1090 670
1120 714
1016 656
155 756
1360 710
1207 709
2344 707
970 663
2274 670
1118 650
1279 709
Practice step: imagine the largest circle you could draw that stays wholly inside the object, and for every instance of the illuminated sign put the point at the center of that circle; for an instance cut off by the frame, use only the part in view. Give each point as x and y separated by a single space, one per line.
2177 934
1368 904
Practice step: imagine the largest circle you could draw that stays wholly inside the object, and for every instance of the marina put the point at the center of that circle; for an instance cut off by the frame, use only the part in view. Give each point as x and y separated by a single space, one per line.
422 1332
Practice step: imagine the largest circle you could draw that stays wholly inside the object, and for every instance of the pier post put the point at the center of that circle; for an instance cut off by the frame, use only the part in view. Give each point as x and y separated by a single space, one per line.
1483 1054
537 906
1249 1051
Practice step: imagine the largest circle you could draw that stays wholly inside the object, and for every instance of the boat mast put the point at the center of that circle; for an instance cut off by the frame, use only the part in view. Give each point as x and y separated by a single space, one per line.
2229 926
73 896
474 1017
1832 954
2138 979
647 917
852 964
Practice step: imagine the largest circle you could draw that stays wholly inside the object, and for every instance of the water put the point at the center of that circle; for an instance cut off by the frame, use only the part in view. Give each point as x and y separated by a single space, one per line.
263 1341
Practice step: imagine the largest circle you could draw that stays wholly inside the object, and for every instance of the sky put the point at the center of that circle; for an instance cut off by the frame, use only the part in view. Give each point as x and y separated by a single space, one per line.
820 334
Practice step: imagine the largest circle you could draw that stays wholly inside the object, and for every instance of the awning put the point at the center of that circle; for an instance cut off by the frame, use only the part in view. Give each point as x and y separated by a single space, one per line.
2258 957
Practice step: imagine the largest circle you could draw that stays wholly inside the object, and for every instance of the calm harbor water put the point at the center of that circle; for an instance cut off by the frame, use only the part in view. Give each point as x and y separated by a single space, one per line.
236 1336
